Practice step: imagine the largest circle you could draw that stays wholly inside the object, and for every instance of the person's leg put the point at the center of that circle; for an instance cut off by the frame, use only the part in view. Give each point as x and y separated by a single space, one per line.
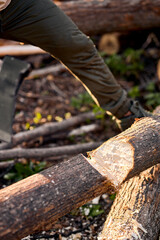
42 23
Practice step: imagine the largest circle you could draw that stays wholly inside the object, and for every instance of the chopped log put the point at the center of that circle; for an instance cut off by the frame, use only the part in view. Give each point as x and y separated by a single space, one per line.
109 43
97 16
135 213
123 155
35 203
42 153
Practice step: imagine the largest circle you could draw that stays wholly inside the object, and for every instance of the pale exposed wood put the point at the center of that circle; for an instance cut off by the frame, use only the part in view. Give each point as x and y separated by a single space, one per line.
135 213
123 156
35 203
101 16
20 50
109 43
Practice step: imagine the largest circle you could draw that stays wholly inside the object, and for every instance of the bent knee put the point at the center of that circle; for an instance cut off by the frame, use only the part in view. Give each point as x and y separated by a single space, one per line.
73 45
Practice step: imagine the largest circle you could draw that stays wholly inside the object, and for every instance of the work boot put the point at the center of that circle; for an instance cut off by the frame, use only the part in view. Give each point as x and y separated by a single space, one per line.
137 111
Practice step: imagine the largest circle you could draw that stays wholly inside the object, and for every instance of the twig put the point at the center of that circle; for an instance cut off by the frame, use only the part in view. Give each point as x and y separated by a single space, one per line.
84 129
47 152
6 164
57 90
47 129
47 70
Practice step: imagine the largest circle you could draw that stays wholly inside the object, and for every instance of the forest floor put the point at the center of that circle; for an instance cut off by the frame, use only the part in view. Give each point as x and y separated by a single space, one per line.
60 96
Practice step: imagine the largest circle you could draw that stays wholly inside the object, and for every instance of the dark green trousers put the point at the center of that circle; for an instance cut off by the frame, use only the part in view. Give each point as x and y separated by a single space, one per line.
43 24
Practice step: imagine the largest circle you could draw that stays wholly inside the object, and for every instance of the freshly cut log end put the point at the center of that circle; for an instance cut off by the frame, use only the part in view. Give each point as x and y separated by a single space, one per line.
122 157
114 159
109 43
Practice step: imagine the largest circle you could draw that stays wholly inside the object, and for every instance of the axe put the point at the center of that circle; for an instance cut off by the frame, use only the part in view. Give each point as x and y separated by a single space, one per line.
12 74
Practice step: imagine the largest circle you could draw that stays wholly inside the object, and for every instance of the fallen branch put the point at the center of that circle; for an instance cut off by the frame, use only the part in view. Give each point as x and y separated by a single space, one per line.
6 164
135 213
45 71
97 16
47 129
47 152
35 203
84 129
75 132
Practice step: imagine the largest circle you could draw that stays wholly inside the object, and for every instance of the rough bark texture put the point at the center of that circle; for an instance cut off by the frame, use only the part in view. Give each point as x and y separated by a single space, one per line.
130 152
35 203
99 16
135 213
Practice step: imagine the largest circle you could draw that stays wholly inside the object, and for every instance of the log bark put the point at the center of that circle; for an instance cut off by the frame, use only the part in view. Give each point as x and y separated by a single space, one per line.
135 213
35 203
96 16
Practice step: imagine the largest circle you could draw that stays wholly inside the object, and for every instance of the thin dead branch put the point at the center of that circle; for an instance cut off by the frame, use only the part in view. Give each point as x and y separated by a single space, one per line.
47 129
47 152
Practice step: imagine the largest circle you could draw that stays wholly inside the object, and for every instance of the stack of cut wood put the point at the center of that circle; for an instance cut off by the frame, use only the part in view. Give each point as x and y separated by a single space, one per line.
35 203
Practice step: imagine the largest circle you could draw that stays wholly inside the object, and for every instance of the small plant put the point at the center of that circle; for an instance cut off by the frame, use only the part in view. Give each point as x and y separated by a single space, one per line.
134 92
58 118
152 97
100 112
112 196
127 64
91 210
83 99
37 118
20 171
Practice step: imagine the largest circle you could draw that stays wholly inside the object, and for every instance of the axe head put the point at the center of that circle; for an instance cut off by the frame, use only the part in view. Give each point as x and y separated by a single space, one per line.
12 74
